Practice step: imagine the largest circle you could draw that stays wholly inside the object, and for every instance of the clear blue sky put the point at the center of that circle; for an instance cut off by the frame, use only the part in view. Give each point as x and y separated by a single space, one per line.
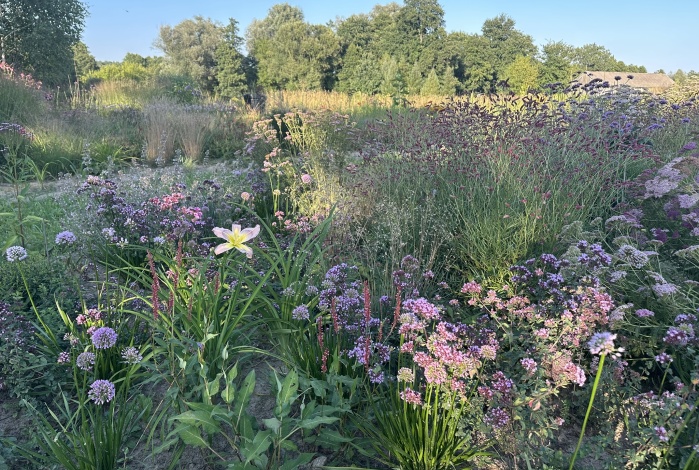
659 35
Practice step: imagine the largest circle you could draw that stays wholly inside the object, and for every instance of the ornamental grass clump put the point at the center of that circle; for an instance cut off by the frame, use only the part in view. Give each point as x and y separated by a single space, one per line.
508 178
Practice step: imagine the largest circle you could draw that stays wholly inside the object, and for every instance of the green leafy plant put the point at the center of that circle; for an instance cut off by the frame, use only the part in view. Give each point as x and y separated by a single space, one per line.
263 448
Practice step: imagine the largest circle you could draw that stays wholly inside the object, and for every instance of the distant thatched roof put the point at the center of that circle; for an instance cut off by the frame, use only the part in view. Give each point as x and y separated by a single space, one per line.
647 81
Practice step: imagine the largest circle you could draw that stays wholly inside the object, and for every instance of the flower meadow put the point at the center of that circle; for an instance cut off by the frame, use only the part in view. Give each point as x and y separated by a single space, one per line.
502 284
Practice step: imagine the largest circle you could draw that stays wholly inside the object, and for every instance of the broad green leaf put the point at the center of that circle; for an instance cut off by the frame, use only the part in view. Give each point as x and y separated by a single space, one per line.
258 446
214 386
228 394
313 423
244 394
190 435
287 394
302 459
273 424
199 418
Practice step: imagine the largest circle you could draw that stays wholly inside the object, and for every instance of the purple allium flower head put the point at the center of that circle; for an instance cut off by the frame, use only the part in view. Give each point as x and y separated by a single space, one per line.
101 392
104 338
306 178
85 360
300 313
131 355
311 290
602 343
65 238
16 253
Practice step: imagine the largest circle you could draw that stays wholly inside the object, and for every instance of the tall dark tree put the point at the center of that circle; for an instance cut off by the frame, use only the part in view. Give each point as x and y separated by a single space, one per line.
478 59
230 73
83 60
38 36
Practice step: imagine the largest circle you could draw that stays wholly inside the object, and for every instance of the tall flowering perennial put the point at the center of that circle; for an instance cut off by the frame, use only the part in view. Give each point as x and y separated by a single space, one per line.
601 344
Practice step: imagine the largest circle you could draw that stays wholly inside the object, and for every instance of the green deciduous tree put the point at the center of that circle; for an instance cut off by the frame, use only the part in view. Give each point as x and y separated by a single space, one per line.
522 74
190 48
594 57
38 36
291 53
556 63
359 72
506 42
421 18
679 77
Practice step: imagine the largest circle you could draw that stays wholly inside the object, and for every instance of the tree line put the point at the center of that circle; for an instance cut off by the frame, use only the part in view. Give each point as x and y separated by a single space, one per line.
394 50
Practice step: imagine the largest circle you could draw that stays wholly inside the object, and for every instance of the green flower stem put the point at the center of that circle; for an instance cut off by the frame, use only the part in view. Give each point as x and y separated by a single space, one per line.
589 409
31 298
